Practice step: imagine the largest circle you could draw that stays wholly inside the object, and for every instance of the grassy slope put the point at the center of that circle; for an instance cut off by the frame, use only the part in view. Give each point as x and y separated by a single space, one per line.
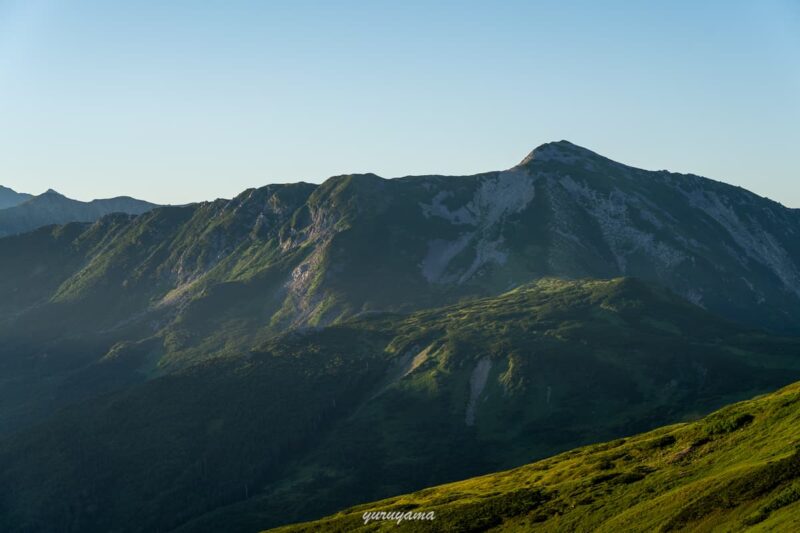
737 469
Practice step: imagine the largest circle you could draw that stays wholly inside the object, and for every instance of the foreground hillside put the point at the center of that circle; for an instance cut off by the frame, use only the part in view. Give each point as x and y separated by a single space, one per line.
737 469
319 419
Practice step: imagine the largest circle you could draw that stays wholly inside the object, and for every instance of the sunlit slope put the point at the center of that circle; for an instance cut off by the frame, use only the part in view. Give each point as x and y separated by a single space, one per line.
735 470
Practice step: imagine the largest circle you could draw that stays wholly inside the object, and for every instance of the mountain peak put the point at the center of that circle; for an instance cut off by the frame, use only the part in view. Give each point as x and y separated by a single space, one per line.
562 151
10 197
21 215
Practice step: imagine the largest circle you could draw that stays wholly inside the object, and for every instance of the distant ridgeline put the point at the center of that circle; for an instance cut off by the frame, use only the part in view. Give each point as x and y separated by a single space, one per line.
20 213
245 363
10 197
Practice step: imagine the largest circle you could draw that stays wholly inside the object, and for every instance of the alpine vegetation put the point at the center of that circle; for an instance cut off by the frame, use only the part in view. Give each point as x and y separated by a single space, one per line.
299 349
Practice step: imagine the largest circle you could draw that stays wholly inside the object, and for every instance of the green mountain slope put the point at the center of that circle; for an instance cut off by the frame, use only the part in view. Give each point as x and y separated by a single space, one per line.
735 470
214 300
208 281
362 243
318 419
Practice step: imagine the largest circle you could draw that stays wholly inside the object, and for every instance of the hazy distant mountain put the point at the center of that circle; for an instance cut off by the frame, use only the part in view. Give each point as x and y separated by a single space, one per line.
53 208
10 197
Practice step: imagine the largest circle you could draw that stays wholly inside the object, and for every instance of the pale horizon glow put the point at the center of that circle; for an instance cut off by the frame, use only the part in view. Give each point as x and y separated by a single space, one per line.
188 101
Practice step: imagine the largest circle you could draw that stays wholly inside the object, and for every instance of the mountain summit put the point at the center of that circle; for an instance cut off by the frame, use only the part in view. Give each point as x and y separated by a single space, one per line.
562 151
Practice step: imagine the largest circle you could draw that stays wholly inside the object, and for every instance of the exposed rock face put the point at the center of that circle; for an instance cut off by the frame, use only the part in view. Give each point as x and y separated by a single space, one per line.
477 383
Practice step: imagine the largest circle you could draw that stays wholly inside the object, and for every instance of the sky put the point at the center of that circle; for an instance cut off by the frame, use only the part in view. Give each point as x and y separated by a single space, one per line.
180 101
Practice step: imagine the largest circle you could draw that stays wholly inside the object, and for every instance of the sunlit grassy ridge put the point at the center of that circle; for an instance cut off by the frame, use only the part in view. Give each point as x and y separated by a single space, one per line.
737 469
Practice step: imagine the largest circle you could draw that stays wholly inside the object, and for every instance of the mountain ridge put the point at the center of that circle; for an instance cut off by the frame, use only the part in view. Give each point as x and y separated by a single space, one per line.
238 351
53 208
488 245
10 197
300 255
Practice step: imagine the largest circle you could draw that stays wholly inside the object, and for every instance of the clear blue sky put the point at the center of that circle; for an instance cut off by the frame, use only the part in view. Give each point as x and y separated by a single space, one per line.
177 101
